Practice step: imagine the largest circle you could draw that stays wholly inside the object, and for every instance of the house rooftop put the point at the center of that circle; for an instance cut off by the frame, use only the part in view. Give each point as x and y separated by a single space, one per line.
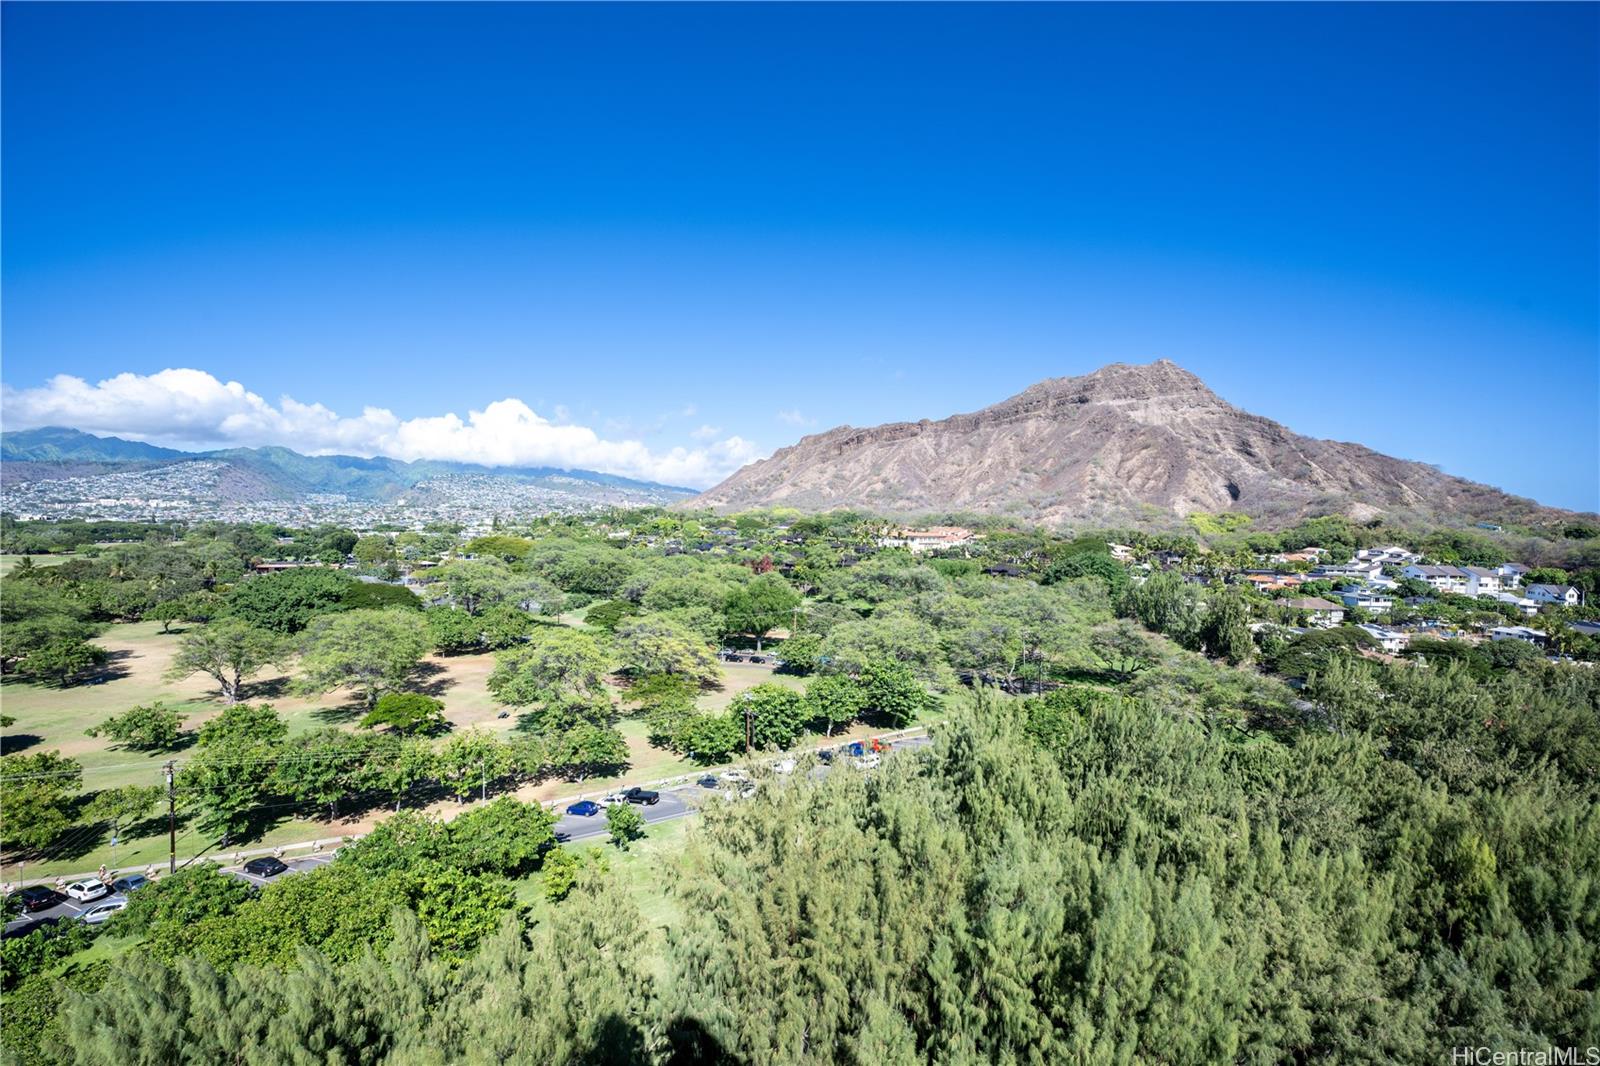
1311 603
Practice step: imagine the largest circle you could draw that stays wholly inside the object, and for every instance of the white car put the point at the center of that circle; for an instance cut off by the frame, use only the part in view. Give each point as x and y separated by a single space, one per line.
102 911
869 761
784 766
735 775
86 890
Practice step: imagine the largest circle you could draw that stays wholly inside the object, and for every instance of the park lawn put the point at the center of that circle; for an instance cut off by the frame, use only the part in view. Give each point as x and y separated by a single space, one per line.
9 563
55 719
736 677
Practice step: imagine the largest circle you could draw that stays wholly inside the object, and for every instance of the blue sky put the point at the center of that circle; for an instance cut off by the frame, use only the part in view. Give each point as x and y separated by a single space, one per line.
675 238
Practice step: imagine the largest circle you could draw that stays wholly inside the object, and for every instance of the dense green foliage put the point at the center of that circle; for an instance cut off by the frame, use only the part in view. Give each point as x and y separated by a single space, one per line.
407 713
1078 877
154 727
1130 841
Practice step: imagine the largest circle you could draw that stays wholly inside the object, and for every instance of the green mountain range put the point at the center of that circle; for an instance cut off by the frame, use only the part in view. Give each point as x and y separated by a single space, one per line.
279 472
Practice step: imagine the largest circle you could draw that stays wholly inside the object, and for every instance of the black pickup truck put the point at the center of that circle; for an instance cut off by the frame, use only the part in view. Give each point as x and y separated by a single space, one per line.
642 795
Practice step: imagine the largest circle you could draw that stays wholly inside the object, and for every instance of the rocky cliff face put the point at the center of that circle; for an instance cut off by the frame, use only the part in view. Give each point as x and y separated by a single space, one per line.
1124 443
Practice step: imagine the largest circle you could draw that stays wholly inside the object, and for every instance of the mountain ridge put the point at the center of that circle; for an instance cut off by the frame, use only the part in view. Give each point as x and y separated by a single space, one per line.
1125 442
284 470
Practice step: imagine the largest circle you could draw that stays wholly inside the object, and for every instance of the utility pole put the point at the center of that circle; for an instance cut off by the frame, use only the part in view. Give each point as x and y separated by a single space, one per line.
749 716
483 770
172 821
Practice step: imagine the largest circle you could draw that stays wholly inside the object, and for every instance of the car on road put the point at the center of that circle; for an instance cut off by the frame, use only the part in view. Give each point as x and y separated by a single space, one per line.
102 911
585 809
87 890
266 866
39 898
131 883
642 795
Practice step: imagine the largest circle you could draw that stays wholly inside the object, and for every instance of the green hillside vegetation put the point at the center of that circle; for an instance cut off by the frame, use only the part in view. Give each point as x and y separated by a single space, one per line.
1131 840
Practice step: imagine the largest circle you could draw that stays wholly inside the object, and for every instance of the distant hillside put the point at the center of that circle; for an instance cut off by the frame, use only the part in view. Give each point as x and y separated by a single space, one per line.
1123 444
53 444
279 473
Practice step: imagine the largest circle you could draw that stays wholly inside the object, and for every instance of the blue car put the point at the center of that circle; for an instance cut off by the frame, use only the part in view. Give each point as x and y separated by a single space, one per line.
585 809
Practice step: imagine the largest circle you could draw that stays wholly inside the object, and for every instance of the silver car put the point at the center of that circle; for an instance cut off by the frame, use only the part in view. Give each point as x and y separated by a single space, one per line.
103 911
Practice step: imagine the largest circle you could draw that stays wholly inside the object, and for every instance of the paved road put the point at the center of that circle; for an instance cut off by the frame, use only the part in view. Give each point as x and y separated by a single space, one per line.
569 828
573 827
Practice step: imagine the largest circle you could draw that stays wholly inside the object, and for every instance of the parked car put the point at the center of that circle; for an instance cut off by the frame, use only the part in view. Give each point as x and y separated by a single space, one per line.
87 890
708 781
642 795
735 775
131 883
826 755
585 809
857 749
869 762
266 866
784 766
39 898
102 911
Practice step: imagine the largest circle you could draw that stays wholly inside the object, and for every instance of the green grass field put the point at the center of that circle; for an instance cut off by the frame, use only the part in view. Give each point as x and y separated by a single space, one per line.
9 563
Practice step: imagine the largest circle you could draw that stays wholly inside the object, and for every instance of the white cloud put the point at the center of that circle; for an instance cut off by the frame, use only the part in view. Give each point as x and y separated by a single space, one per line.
705 432
187 408
795 418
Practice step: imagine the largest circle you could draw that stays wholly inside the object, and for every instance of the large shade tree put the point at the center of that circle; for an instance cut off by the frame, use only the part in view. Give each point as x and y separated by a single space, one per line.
230 651
761 605
373 652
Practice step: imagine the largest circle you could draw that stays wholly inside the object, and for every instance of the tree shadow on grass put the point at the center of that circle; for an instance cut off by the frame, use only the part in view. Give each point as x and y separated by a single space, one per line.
15 742
353 711
114 668
271 689
431 679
